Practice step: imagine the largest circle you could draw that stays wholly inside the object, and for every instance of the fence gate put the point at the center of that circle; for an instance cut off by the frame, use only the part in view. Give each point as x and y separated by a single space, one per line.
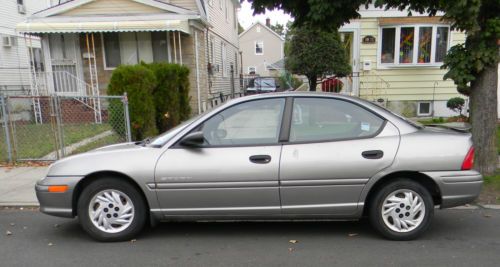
68 126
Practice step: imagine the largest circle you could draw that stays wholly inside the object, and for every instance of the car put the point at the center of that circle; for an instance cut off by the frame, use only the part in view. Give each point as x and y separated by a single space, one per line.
262 85
276 156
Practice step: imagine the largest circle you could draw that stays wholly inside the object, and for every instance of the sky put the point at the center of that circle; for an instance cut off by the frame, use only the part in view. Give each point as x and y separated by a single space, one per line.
246 17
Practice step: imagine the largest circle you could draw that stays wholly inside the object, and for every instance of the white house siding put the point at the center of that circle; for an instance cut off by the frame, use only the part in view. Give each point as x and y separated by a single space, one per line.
187 4
223 31
14 60
403 87
111 7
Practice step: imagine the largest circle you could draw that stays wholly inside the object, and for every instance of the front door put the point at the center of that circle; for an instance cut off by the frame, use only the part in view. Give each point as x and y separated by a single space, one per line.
349 38
235 171
334 147
65 74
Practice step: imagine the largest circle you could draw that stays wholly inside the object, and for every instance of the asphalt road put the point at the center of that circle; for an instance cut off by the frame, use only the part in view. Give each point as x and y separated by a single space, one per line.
456 238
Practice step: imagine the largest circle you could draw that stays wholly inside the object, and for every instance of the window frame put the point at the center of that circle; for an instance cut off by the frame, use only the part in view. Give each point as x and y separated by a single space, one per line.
105 63
419 113
416 41
289 126
223 56
281 126
262 48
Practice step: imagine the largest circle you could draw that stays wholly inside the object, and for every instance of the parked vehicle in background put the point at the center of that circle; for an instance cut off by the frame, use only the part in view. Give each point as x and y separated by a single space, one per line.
270 156
262 85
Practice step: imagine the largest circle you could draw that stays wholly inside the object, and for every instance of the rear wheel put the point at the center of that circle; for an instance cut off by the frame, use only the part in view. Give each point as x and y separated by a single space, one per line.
402 210
110 209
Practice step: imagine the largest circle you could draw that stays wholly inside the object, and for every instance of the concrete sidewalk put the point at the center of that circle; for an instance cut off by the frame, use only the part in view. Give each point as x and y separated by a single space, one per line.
17 185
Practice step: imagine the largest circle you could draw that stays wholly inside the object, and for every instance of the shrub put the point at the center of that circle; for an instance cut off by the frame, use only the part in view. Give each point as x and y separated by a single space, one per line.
456 104
171 94
138 82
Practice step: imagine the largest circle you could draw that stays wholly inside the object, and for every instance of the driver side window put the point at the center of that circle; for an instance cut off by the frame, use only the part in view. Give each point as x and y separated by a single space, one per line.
250 123
323 119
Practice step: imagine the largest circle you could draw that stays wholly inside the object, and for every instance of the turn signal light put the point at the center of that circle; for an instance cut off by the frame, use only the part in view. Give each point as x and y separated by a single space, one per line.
58 188
468 160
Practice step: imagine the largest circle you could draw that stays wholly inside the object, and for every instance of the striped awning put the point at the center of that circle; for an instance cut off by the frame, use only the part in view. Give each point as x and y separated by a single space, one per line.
40 26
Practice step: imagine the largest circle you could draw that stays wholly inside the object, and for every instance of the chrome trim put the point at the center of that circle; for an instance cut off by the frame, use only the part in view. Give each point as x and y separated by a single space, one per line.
324 182
216 185
216 209
320 206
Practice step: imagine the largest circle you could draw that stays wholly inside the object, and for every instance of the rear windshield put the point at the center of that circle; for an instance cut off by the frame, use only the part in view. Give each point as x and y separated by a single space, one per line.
265 83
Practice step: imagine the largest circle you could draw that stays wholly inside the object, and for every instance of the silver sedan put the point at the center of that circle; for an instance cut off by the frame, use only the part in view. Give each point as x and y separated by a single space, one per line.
271 156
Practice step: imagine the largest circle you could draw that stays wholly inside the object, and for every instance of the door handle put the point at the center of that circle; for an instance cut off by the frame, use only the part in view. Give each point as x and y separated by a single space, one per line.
372 154
260 159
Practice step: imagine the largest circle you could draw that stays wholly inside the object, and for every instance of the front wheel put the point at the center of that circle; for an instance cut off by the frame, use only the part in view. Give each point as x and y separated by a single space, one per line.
110 209
402 210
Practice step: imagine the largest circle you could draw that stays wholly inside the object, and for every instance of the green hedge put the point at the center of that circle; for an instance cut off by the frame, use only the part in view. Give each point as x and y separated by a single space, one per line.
171 94
158 95
138 82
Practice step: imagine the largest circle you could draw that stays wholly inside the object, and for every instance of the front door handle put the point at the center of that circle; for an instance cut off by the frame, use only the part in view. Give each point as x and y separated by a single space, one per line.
260 159
372 154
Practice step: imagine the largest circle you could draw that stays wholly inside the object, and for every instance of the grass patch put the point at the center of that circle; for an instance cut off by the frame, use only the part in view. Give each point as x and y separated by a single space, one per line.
38 140
490 194
108 140
493 181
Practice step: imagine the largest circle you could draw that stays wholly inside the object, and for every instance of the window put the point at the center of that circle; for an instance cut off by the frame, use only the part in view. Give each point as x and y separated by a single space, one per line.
160 46
252 70
111 50
249 123
224 59
36 59
212 50
227 11
413 45
424 109
259 48
322 119
221 4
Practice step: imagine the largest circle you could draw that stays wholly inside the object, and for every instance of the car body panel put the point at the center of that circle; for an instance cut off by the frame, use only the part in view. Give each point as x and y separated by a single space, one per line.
223 184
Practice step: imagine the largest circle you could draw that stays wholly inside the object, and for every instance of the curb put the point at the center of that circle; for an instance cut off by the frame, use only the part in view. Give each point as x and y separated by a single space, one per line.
19 205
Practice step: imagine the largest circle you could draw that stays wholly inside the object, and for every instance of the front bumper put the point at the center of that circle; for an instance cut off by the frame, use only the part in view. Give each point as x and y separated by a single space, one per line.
57 203
457 187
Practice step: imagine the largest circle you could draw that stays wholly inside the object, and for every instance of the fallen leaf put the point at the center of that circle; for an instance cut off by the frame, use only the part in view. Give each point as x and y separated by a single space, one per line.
25 227
290 249
21 208
487 215
12 224
50 244
56 225
8 232
353 234
293 241
133 240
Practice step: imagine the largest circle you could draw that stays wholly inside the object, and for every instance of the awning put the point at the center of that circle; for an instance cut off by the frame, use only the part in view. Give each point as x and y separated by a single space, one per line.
40 26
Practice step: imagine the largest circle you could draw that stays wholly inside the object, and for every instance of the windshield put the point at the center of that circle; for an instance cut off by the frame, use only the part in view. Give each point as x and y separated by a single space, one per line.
265 83
161 139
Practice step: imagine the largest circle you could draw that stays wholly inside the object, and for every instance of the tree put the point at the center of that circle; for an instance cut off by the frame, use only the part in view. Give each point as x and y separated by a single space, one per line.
473 66
279 29
316 53
456 104
240 28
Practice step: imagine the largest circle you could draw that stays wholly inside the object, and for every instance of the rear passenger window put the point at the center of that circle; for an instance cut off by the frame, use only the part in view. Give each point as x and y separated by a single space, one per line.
323 119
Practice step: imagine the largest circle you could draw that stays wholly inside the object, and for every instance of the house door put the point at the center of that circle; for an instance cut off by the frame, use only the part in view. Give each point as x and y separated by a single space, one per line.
350 40
64 52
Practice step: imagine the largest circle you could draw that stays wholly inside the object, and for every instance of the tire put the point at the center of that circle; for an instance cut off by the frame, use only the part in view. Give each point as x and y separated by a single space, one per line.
118 220
396 222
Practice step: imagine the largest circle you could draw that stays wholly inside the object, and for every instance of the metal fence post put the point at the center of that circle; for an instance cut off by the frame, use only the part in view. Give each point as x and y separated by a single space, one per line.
127 117
6 126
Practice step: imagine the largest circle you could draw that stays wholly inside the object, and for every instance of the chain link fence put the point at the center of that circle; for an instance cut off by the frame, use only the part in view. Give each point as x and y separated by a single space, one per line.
39 128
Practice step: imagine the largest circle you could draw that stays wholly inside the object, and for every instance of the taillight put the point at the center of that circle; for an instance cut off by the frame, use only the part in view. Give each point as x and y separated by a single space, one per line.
468 160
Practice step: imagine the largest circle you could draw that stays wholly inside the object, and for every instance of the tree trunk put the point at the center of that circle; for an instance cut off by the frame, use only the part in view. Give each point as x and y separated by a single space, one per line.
313 81
483 106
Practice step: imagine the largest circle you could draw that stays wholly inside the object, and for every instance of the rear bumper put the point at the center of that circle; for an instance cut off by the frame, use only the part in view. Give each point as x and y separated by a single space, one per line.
56 204
457 187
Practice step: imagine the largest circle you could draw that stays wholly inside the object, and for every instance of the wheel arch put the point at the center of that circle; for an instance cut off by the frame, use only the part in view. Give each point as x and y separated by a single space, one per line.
418 177
89 178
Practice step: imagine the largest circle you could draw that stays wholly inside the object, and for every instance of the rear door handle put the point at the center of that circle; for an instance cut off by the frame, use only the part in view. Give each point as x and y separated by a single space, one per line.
372 154
260 159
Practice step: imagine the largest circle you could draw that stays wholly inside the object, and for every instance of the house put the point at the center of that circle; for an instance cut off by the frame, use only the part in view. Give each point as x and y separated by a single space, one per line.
396 60
83 41
260 46
16 50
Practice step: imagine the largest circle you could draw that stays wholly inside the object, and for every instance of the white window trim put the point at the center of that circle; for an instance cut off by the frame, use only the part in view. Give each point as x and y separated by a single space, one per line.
221 4
226 10
223 51
430 108
416 27
255 48
104 53
249 67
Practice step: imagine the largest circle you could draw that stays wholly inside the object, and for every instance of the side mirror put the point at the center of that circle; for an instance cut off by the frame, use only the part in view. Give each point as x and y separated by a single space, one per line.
195 139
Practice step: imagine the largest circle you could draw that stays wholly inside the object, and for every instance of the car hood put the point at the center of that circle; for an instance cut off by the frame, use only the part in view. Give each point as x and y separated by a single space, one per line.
123 158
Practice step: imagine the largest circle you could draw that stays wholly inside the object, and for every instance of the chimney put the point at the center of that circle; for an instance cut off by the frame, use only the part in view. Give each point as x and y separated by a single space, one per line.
268 22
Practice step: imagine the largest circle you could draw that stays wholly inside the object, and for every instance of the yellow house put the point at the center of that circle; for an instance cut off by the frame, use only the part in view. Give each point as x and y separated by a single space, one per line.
397 61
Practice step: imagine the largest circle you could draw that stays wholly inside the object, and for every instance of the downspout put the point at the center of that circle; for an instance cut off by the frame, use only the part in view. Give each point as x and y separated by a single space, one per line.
197 70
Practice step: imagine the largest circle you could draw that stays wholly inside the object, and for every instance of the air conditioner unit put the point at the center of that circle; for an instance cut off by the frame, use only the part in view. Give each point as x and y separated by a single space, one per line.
21 9
7 41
